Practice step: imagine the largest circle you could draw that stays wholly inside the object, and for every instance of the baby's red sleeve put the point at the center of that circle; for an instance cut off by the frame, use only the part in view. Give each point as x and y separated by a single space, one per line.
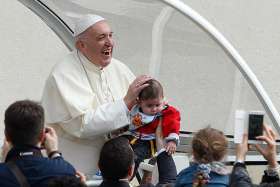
171 120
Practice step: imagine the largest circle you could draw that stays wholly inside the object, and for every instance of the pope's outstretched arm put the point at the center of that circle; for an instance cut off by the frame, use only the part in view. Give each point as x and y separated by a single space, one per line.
77 111
98 121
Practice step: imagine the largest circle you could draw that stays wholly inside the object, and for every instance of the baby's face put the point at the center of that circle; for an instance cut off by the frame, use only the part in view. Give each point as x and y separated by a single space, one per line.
151 106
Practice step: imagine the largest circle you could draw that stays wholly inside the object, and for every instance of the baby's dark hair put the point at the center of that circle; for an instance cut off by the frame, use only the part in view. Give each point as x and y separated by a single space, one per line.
153 91
209 145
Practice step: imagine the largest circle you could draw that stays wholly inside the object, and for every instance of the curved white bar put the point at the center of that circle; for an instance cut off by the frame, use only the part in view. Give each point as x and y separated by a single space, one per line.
65 34
234 55
59 27
157 34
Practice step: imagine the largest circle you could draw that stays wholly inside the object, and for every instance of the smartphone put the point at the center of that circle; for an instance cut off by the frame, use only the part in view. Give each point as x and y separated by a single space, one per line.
255 124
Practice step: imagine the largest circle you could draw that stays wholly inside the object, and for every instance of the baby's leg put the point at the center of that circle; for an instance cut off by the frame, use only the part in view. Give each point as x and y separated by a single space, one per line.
141 152
166 168
166 165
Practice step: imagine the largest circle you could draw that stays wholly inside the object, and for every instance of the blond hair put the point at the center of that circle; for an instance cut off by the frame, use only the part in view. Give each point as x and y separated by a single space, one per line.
209 145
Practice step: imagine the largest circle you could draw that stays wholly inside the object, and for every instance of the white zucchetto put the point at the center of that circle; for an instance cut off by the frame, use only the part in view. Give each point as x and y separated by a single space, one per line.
85 22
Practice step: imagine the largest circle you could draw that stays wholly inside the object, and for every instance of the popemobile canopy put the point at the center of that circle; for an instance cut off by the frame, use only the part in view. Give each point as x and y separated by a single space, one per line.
202 74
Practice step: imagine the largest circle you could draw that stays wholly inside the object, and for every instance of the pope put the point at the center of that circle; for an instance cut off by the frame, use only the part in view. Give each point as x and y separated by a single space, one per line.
89 93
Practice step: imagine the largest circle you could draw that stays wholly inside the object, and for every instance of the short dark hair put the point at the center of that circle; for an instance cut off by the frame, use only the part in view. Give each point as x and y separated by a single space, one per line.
24 121
66 181
153 91
116 157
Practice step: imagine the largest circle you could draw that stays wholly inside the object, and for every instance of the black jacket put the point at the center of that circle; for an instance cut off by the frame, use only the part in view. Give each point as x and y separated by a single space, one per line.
240 178
38 170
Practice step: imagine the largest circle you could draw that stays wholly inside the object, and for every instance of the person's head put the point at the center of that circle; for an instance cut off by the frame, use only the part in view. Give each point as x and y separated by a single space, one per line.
66 181
209 145
150 99
94 39
24 123
116 160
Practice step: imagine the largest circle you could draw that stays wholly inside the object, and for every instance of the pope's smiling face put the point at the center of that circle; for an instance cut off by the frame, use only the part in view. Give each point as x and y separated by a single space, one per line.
97 44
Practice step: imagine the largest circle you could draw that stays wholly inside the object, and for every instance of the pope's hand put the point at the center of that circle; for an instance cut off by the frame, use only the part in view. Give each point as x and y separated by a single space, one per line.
134 89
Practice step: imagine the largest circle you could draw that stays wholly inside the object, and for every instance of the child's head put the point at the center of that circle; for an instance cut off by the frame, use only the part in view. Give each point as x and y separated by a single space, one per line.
116 159
150 99
209 145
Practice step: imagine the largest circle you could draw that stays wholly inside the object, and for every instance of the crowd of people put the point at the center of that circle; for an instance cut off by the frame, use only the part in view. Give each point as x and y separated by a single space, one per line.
106 119
32 157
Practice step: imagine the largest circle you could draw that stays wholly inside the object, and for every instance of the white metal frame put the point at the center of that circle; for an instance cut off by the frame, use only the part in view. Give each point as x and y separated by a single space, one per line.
233 54
60 28
65 34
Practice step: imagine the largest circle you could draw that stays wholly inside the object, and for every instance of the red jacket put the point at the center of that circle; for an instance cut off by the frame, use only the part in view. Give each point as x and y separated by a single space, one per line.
170 122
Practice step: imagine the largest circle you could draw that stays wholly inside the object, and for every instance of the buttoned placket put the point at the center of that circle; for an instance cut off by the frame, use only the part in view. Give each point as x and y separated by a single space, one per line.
105 87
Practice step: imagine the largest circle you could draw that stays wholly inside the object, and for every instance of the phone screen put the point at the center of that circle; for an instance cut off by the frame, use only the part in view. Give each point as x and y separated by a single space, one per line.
255 126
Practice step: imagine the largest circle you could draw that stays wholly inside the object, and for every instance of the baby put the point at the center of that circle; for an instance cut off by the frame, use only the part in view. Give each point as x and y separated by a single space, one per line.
152 118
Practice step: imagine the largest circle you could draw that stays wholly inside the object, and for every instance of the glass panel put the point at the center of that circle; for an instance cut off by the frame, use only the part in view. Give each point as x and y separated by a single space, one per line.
201 79
29 50
197 75
132 28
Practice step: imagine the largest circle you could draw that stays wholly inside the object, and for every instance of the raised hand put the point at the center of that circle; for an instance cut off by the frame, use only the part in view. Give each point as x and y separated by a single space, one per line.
134 89
269 151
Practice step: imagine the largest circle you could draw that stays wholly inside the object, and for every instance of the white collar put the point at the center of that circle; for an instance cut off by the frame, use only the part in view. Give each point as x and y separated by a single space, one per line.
145 118
88 64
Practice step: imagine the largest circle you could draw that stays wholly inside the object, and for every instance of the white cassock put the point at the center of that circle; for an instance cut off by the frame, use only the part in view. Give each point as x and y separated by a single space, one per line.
83 103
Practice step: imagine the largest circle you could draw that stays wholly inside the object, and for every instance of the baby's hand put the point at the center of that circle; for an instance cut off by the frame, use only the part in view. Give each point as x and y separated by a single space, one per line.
163 104
171 147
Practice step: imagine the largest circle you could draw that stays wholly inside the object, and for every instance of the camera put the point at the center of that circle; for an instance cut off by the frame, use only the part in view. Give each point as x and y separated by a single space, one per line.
255 125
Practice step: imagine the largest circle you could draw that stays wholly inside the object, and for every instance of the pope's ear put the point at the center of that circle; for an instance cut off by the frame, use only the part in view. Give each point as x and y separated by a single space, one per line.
79 44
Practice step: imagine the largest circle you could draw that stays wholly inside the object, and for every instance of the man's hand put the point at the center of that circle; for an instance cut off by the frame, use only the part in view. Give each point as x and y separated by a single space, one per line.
171 147
51 142
81 176
269 152
134 89
242 148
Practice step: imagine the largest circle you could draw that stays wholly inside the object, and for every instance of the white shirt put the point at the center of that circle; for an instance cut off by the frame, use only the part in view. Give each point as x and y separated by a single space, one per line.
83 103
